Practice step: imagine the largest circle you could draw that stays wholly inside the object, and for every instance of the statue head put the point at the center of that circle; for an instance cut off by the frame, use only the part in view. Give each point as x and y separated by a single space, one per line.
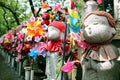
56 30
98 27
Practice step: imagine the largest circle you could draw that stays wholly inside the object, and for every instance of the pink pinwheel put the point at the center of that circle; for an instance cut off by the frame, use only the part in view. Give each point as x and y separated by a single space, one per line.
40 47
99 1
68 66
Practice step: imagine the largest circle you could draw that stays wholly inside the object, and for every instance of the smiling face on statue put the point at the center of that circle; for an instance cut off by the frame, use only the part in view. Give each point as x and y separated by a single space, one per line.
53 33
97 29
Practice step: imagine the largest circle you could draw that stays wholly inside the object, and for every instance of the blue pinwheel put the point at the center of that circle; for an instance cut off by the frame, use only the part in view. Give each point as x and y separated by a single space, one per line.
34 53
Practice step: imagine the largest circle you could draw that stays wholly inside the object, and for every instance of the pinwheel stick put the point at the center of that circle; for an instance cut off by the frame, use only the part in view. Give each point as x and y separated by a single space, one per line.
65 34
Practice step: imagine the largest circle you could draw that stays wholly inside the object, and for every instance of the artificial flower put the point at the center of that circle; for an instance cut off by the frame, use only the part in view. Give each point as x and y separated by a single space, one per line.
99 1
45 27
20 36
44 35
39 19
24 30
9 36
18 57
37 38
25 23
40 47
68 66
19 48
34 53
29 38
83 45
32 19
57 7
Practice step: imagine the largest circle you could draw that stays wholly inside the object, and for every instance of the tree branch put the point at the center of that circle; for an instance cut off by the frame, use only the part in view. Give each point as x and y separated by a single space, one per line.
32 7
5 19
13 12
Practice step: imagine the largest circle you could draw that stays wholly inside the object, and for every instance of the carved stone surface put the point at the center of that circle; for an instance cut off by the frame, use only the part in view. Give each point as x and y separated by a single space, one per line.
88 6
100 59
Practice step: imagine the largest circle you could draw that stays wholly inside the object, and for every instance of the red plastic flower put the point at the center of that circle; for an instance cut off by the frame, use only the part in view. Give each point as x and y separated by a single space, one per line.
9 36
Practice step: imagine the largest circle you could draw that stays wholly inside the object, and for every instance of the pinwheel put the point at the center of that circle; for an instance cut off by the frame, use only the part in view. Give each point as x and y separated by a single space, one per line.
41 48
74 21
35 29
34 53
68 66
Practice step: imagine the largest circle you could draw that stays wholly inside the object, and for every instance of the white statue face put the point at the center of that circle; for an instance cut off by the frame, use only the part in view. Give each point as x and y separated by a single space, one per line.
97 29
53 33
67 3
90 6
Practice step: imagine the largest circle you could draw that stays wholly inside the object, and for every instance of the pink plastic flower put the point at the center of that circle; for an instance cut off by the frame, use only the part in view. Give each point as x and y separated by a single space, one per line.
29 38
37 38
40 47
68 66
83 45
99 1
32 19
25 23
19 48
19 36
18 58
57 7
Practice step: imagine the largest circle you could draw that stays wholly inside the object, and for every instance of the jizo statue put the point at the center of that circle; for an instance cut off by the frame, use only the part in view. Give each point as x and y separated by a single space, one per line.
53 46
100 59
89 5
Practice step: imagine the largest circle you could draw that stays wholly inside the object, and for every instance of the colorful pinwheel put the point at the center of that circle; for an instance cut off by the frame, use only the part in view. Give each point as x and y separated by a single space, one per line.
68 66
34 53
74 21
35 29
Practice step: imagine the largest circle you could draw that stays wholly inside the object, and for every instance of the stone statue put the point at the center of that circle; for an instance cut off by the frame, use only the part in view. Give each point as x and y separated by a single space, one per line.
88 6
53 46
100 59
